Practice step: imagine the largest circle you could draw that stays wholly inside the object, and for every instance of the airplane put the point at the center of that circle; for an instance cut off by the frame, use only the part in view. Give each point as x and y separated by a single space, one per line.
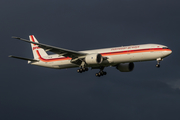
122 58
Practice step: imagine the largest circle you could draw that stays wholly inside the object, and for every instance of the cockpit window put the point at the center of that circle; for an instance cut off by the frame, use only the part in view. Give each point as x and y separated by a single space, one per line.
165 48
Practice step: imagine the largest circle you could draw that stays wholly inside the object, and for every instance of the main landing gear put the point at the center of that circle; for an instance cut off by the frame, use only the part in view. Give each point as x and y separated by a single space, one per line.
82 70
100 73
82 67
158 62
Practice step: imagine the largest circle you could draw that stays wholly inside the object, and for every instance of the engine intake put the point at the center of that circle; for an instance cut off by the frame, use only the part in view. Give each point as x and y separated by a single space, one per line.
125 67
94 59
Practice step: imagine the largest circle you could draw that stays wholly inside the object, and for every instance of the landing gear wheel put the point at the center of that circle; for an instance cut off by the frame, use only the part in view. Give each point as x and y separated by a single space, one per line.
78 70
158 66
97 75
82 70
101 73
86 69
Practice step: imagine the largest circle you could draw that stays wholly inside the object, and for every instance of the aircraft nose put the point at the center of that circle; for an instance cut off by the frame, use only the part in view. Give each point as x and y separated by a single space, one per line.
167 52
170 52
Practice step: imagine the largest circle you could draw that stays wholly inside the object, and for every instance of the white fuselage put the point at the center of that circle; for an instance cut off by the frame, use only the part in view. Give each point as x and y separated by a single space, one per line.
115 55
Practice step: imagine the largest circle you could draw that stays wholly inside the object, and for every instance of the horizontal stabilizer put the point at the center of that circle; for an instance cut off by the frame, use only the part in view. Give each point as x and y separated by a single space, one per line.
16 37
24 58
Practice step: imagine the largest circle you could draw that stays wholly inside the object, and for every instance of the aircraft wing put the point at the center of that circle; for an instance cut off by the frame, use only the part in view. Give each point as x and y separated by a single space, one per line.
57 50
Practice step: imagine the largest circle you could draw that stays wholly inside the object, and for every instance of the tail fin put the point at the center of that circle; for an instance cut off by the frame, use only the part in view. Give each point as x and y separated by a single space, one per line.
37 50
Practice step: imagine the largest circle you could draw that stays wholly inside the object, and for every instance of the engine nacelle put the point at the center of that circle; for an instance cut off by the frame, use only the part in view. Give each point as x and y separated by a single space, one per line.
92 59
125 67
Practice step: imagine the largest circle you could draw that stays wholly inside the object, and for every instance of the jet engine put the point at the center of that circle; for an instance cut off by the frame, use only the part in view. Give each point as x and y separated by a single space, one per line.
125 67
92 59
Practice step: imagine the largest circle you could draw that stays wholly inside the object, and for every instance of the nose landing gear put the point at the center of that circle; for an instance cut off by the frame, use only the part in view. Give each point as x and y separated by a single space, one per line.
158 62
157 65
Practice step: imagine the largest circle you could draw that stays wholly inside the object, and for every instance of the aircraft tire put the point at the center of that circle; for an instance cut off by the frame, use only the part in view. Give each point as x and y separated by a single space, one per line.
158 66
97 75
86 69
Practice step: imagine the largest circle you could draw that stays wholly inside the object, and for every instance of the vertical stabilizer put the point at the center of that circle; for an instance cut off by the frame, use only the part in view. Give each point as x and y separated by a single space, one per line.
37 51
